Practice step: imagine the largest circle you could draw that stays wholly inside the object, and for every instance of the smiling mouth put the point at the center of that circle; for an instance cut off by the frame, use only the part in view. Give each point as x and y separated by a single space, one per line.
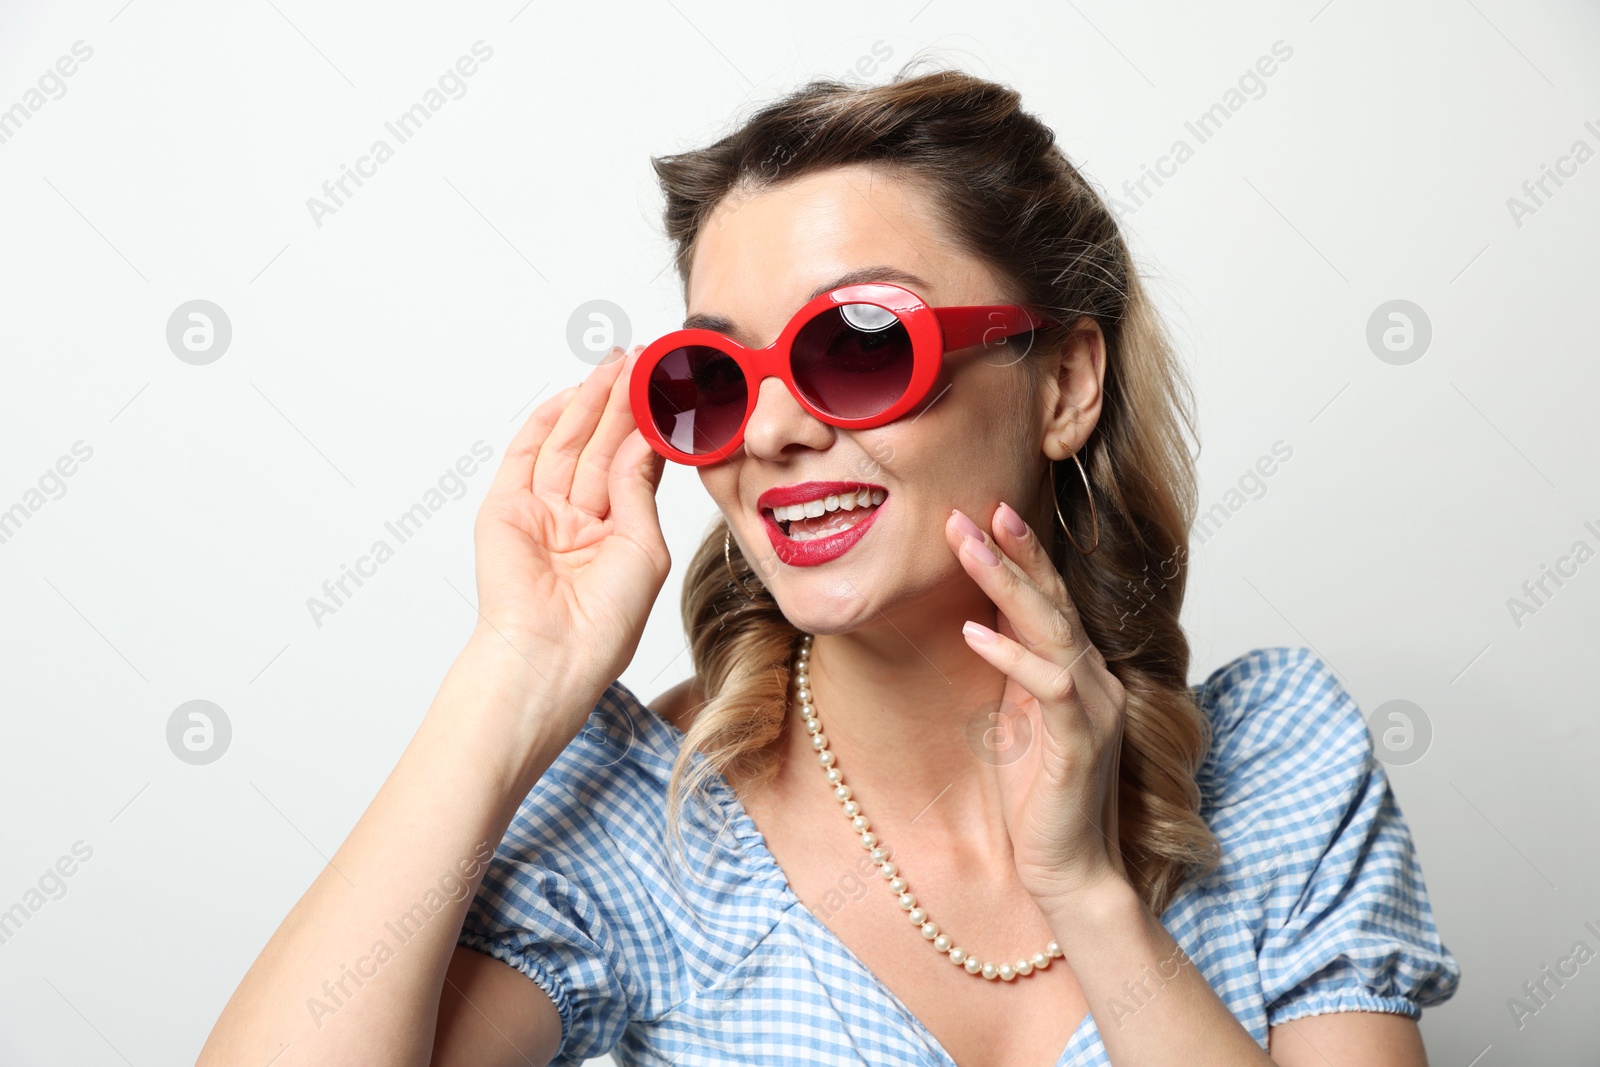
827 515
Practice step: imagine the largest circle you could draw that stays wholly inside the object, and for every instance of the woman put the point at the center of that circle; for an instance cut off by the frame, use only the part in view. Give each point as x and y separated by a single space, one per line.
955 499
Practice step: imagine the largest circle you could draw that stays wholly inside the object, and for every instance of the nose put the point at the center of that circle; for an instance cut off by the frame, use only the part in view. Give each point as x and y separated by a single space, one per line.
779 421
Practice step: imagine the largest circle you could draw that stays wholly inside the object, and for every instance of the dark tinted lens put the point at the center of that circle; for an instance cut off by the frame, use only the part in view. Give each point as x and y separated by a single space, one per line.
853 361
698 398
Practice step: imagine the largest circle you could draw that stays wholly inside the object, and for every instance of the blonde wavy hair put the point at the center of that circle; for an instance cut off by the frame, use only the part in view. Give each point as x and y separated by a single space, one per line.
1010 197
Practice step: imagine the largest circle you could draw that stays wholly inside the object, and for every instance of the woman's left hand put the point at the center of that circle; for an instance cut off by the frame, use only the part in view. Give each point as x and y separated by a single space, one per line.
1060 701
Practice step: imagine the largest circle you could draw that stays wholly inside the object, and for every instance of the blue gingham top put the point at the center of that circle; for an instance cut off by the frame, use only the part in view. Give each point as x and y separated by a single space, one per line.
1319 905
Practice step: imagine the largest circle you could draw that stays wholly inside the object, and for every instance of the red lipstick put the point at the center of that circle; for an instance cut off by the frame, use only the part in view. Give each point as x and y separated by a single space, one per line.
819 549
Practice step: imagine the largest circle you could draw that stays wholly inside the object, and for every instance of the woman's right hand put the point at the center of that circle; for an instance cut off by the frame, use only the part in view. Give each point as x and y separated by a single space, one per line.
570 556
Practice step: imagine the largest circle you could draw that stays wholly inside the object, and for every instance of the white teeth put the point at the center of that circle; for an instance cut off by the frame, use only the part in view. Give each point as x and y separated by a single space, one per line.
862 498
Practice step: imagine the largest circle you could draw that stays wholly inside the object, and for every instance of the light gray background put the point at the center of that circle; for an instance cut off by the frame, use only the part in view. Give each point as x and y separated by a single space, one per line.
428 312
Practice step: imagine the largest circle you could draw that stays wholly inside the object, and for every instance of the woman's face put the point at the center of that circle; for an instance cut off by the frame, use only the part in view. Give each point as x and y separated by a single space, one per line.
976 440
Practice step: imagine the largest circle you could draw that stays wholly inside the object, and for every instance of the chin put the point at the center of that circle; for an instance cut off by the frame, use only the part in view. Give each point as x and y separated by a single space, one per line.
825 604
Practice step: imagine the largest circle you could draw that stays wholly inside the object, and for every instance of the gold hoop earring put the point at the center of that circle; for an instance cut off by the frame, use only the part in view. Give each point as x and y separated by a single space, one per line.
1089 493
727 557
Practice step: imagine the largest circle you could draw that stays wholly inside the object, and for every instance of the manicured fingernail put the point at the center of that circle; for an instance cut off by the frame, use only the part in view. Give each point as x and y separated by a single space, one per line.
1012 521
966 525
981 551
979 633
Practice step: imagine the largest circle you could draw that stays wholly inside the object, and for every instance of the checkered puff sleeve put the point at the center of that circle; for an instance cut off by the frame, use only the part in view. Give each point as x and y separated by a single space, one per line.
1347 921
555 901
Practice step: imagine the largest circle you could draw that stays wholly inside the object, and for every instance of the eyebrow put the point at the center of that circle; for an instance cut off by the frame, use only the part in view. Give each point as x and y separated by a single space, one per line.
880 273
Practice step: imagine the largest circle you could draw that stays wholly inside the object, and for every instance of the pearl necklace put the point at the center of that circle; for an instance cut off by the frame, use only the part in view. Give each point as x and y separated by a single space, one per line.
869 840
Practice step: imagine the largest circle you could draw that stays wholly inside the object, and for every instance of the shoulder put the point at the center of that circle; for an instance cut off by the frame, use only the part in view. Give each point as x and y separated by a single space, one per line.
678 704
1281 676
587 838
574 893
1278 716
1319 877
610 776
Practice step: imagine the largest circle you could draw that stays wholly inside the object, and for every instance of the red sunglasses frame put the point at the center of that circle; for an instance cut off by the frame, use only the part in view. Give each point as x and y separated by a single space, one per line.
933 332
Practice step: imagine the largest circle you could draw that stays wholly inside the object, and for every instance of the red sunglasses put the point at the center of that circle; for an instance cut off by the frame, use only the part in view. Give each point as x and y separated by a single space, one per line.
856 357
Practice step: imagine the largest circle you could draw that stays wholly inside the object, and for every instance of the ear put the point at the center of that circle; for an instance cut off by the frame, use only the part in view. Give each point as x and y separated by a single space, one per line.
1074 391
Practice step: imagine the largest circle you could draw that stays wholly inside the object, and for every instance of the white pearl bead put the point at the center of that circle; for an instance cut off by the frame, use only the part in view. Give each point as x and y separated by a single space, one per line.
860 822
869 839
813 727
1040 960
832 775
930 930
888 869
958 956
942 942
972 965
1007 972
803 694
802 679
896 884
907 901
819 741
826 759
842 791
918 916
851 810
1024 967
990 972
1054 949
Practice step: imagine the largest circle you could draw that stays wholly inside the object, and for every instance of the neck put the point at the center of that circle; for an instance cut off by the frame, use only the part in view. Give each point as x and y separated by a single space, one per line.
906 708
